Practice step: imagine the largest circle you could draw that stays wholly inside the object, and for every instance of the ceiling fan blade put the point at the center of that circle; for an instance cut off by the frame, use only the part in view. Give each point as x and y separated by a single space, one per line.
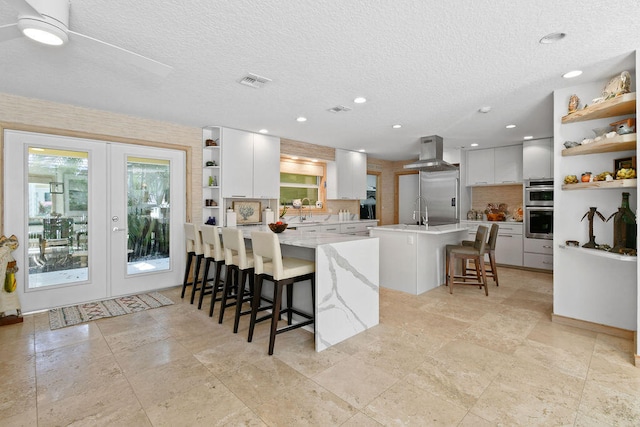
9 32
24 8
143 62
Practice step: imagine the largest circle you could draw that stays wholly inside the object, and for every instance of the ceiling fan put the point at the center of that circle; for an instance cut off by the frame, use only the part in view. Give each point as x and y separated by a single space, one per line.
47 21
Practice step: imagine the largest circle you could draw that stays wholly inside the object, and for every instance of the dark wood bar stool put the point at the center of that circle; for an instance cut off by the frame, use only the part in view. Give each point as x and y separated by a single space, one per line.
194 249
239 262
213 253
465 253
282 271
490 250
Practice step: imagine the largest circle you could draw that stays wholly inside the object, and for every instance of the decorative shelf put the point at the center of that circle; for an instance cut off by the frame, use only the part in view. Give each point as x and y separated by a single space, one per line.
618 183
618 106
211 147
218 167
211 186
210 207
601 253
605 145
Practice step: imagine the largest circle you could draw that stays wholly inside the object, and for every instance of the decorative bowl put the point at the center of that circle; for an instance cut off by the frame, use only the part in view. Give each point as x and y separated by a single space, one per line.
495 216
278 228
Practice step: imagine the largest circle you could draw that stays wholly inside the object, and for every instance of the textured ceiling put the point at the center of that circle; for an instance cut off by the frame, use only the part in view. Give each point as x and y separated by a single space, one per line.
425 64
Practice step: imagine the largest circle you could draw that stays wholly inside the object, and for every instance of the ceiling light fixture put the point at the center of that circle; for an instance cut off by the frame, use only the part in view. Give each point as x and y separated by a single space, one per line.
485 109
572 74
510 126
361 150
528 137
396 126
263 131
301 119
552 38
475 144
44 32
360 100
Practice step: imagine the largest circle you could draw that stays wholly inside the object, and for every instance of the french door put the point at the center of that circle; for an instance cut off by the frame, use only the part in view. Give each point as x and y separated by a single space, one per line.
94 219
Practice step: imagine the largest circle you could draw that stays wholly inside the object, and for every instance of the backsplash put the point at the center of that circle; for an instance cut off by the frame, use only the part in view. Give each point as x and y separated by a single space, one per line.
509 194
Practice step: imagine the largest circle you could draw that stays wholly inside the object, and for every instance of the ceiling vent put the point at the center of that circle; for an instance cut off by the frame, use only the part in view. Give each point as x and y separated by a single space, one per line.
339 109
254 81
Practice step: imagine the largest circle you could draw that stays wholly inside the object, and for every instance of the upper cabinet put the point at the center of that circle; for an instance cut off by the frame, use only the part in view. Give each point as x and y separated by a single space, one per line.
347 178
251 165
537 159
494 166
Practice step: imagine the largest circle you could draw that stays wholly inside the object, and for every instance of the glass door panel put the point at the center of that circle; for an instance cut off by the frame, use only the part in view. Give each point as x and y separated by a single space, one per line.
58 195
148 214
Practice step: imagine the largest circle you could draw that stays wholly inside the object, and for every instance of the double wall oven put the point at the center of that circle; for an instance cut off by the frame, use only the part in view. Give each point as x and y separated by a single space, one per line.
538 209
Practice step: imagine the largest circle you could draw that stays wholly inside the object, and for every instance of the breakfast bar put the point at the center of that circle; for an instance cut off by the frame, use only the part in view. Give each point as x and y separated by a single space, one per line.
347 281
412 257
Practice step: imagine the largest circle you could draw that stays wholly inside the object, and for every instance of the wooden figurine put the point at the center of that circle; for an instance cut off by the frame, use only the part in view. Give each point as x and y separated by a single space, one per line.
590 214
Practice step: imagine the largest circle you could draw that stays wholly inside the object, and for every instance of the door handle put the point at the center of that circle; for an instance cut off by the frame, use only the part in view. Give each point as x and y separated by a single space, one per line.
118 229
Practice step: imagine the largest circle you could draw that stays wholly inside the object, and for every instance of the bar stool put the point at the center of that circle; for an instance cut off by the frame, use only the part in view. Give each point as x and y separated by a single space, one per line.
213 252
239 263
282 271
194 249
466 253
490 250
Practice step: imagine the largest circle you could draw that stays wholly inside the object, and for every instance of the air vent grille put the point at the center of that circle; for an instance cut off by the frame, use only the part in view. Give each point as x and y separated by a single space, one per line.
254 81
339 109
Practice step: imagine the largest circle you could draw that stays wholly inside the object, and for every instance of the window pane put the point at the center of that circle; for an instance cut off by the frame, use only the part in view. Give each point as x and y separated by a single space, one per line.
293 178
287 194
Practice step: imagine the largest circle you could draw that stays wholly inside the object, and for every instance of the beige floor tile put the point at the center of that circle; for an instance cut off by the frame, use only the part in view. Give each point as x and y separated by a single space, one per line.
100 406
17 368
615 376
561 336
28 418
569 361
609 405
491 339
406 404
24 329
47 339
231 354
118 324
207 402
614 349
133 338
459 372
73 355
307 404
355 381
17 397
361 420
151 355
530 395
472 420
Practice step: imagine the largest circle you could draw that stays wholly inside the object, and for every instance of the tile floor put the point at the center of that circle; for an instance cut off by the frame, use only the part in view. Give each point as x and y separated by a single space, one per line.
435 359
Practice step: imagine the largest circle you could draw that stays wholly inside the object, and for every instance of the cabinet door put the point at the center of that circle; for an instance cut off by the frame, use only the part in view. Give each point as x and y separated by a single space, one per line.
359 172
344 178
508 164
480 164
237 163
266 167
509 249
537 159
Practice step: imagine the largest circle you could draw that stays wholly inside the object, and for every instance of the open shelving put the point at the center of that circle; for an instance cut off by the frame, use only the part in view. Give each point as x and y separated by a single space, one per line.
605 145
617 183
618 106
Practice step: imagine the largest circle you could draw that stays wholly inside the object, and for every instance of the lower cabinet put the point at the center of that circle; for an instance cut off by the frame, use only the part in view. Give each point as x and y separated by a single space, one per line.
538 253
358 228
509 244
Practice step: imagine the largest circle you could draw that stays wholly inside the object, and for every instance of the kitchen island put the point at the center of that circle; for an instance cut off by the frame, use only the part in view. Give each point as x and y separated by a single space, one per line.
412 257
347 281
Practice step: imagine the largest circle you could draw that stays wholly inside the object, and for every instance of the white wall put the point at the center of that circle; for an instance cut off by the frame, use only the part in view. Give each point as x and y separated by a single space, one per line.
588 287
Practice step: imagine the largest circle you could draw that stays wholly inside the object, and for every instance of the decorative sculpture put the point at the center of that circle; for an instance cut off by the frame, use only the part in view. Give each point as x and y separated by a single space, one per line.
590 214
9 301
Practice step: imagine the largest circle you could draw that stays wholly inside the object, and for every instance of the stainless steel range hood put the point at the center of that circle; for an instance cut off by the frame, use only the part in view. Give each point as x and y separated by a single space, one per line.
431 156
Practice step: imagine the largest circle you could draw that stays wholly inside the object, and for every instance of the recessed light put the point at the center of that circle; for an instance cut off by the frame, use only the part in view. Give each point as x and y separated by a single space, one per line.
294 157
396 126
360 100
263 131
301 119
361 150
528 137
485 109
552 38
572 74
475 144
510 126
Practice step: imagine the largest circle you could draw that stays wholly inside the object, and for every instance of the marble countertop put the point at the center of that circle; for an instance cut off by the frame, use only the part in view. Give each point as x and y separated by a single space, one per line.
296 222
432 229
302 238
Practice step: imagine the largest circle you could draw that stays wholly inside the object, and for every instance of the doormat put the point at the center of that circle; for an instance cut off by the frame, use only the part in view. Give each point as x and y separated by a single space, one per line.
75 314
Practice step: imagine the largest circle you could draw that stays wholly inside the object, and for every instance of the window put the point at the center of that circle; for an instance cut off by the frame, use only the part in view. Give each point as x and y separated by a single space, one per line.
301 179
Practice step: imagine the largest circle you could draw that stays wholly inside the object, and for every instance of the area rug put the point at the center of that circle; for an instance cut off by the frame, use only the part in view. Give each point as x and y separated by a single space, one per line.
75 314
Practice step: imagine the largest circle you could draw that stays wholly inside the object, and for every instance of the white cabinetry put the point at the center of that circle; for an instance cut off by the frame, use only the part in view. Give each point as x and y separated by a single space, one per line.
537 159
508 164
502 165
211 176
538 253
480 165
347 178
252 165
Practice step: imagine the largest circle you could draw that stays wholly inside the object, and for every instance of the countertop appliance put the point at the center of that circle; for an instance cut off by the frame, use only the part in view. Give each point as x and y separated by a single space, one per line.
440 192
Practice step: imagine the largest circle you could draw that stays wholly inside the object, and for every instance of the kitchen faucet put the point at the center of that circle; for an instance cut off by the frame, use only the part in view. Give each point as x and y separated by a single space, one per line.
416 204
302 218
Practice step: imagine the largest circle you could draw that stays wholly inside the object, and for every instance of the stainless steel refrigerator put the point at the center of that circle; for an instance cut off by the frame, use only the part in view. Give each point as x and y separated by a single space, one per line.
440 191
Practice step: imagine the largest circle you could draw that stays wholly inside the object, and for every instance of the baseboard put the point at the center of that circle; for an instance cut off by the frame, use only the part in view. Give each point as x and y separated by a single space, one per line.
594 327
